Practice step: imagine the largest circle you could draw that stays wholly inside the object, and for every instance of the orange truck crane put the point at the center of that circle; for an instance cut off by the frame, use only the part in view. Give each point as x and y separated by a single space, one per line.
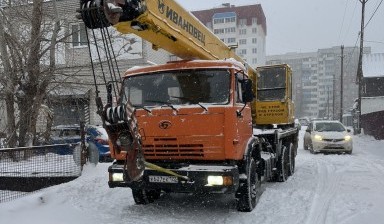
208 123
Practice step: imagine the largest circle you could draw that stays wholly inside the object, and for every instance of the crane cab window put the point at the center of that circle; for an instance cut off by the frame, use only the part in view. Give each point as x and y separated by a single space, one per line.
271 84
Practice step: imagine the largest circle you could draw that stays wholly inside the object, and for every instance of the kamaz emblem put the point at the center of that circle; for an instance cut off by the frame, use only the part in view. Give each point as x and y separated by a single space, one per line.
165 124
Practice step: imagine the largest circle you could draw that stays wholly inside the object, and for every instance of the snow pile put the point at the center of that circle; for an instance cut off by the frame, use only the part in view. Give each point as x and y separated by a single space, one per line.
328 189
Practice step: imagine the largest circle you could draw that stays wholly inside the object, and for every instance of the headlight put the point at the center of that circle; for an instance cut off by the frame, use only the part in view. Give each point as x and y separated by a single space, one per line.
220 181
347 138
318 138
215 180
116 177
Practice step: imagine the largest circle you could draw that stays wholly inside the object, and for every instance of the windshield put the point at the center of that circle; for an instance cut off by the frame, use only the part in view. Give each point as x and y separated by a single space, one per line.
329 127
271 84
178 87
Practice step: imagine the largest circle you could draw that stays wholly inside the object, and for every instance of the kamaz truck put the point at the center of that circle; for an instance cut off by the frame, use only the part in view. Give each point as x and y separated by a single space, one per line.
206 123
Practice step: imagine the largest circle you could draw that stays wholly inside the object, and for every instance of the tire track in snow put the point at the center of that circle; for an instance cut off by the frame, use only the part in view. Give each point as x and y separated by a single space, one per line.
375 168
327 187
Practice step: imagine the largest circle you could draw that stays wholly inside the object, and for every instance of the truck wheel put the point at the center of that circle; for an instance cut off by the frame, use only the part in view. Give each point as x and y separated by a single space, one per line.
249 192
292 158
143 196
283 165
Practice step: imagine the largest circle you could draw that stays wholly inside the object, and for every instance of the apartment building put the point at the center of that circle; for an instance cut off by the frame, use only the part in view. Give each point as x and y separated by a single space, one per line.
317 78
241 27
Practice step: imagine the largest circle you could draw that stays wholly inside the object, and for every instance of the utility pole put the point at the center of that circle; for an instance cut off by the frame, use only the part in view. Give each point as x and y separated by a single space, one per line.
341 83
327 102
333 97
360 69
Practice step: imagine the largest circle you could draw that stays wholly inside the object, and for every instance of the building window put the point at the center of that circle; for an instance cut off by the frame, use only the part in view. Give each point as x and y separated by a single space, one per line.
230 20
254 40
173 58
254 50
243 31
254 60
243 22
242 52
243 41
217 21
231 40
230 30
254 30
79 35
218 31
254 20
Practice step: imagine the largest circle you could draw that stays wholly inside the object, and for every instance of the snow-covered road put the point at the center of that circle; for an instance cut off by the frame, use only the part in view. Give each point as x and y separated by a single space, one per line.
330 189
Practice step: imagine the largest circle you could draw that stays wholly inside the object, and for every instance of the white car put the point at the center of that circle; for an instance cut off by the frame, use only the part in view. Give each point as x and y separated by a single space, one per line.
327 136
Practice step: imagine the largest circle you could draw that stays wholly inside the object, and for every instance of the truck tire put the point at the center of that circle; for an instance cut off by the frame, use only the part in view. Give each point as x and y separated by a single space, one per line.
292 158
249 192
143 196
283 165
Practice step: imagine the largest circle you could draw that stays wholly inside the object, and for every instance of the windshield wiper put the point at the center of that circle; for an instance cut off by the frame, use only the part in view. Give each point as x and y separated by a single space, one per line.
190 100
143 107
164 104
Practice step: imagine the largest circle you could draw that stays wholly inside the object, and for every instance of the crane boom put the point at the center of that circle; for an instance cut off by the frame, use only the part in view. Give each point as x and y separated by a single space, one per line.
166 25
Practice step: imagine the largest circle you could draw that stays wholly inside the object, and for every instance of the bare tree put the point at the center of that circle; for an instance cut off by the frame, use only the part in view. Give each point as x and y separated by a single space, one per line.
29 38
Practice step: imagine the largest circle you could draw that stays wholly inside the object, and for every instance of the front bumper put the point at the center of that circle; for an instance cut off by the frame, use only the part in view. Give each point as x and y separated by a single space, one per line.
197 174
324 146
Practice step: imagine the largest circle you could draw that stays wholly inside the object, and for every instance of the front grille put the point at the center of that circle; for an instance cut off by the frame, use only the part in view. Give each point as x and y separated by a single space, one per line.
334 147
167 148
333 140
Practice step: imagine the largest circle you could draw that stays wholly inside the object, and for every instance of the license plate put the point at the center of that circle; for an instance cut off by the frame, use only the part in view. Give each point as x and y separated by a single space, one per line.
163 179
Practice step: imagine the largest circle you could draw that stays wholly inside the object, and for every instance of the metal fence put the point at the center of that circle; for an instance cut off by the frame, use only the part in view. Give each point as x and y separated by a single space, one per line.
27 169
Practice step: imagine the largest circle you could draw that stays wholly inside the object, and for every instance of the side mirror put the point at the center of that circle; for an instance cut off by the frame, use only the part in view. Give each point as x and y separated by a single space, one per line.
247 91
348 130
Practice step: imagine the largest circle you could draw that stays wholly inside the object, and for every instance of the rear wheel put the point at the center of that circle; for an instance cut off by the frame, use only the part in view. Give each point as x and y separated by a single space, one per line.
283 165
143 196
249 191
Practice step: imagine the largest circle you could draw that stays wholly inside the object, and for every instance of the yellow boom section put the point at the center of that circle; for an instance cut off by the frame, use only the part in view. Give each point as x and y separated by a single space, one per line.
169 26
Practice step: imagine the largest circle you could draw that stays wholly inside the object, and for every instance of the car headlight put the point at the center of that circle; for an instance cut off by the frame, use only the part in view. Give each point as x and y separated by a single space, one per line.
318 137
347 138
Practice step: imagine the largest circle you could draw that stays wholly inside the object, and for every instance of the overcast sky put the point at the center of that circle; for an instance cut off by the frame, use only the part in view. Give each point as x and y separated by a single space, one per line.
307 25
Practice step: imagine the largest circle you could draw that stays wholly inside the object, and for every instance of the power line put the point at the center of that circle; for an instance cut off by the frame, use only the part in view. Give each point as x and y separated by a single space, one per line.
342 23
349 60
373 13
350 22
